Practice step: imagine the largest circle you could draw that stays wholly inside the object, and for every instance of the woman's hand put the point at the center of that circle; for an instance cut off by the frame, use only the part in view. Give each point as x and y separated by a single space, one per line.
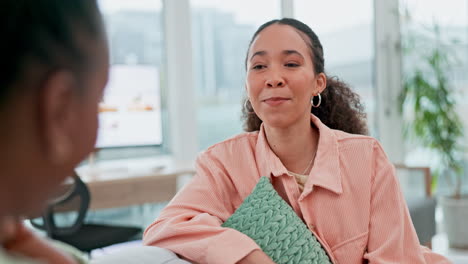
28 244
257 256
8 227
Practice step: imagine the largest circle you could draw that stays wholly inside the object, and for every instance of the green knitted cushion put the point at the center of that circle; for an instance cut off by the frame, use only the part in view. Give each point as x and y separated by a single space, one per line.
266 218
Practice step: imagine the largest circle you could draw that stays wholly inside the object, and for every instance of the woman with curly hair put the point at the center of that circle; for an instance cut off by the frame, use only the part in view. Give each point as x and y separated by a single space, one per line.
306 132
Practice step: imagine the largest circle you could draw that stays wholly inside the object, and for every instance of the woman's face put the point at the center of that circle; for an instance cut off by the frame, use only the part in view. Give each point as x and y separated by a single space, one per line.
280 76
69 120
87 107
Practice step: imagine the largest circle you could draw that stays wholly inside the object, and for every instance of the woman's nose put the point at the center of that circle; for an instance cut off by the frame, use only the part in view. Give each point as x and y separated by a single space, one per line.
274 81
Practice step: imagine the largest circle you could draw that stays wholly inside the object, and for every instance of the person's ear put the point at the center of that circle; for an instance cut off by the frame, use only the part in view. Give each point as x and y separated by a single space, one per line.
56 113
321 82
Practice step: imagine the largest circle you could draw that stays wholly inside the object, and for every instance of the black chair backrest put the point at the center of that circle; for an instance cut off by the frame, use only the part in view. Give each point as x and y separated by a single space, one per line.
80 190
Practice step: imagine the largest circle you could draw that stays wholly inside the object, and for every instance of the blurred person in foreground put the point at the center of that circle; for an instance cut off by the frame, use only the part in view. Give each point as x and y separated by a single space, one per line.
52 75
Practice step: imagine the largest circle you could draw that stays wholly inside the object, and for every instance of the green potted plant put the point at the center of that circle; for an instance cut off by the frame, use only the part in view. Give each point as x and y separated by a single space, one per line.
428 105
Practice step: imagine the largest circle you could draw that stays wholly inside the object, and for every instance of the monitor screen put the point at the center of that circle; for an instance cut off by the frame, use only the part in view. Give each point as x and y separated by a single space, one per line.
130 112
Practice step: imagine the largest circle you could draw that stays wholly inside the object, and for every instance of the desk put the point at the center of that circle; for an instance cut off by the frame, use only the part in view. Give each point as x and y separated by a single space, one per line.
119 187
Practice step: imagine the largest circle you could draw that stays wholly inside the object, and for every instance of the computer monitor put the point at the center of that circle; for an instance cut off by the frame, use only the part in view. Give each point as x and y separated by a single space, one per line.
130 112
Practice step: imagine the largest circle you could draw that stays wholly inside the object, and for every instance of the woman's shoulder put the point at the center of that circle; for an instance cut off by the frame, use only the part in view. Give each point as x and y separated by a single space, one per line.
345 137
241 143
360 150
355 142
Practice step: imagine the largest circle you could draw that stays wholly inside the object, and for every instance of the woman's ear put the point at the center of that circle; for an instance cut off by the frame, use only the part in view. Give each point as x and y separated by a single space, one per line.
56 115
321 82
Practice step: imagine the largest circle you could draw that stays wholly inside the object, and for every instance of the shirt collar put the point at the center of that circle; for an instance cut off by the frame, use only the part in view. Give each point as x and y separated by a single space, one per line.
325 172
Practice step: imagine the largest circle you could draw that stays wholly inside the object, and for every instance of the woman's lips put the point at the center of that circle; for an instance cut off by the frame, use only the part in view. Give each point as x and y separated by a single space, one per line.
274 101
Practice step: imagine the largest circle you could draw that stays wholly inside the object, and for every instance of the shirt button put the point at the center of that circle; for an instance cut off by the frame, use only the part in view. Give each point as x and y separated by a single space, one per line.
311 226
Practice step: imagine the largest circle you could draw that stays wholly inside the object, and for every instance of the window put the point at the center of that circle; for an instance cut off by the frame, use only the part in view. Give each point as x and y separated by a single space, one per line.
221 32
417 18
131 110
345 29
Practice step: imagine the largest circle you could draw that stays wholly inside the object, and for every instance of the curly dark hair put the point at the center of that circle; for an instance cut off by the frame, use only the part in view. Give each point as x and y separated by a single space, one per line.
340 108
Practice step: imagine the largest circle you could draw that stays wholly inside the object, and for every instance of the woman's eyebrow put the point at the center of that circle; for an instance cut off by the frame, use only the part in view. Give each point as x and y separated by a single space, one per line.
289 52
258 53
285 52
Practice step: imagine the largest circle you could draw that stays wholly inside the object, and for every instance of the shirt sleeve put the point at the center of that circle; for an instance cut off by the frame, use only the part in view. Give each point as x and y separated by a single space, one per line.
191 224
392 237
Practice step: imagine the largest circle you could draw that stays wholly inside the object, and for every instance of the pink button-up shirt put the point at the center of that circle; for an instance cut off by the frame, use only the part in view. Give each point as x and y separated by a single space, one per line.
351 201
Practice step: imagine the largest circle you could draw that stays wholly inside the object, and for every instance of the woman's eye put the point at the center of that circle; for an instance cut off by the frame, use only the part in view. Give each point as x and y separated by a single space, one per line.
291 64
258 67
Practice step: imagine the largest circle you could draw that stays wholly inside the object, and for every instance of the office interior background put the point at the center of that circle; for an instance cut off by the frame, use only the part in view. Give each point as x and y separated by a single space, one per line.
177 77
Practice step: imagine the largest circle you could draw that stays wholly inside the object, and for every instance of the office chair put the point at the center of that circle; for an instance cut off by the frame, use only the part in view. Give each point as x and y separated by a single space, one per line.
83 236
